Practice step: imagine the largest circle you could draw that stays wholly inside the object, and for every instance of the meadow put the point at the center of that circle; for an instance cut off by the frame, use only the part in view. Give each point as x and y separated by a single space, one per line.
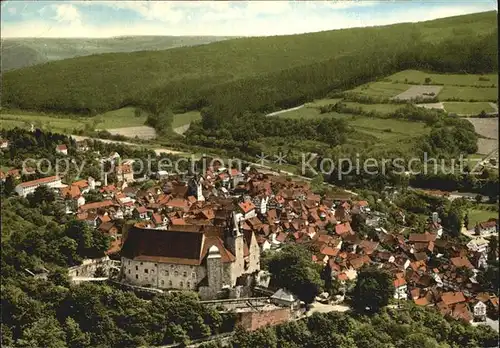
452 93
465 108
419 77
480 215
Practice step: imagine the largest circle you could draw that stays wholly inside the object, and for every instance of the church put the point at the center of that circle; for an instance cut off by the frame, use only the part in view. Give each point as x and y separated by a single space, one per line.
203 258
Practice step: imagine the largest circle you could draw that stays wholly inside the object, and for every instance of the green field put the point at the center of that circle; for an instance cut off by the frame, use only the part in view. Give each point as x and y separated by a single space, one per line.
464 108
479 215
468 93
381 89
186 118
418 77
322 102
124 117
380 108
305 112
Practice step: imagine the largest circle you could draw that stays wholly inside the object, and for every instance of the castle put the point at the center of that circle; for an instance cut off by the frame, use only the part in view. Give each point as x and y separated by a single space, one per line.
202 258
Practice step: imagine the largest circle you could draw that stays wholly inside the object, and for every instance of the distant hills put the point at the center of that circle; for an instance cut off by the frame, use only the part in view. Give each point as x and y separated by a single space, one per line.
258 73
24 52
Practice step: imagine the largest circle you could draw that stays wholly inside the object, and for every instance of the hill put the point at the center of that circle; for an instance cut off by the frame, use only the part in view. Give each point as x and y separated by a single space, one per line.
23 52
260 74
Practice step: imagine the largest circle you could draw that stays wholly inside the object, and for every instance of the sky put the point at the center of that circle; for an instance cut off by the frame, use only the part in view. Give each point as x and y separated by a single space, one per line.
95 19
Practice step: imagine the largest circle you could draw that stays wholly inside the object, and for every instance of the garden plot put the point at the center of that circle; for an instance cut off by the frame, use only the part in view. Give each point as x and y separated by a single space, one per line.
421 91
141 132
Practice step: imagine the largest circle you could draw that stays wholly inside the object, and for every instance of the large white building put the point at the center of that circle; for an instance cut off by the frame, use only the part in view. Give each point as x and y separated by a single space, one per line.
206 259
25 188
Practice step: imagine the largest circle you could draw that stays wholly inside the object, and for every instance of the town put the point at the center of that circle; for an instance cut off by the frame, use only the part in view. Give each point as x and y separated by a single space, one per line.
208 232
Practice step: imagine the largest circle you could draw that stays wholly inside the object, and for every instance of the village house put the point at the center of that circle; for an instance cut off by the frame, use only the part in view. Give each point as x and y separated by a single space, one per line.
486 227
4 143
124 173
62 149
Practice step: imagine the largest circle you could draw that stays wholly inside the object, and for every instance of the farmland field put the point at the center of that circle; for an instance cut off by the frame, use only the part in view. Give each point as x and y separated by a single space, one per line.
124 117
186 118
141 132
418 77
464 108
322 102
420 91
381 108
381 89
488 128
468 93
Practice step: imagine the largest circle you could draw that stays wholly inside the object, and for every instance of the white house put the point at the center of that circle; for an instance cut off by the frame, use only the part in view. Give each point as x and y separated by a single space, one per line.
28 187
479 311
478 245
62 149
401 292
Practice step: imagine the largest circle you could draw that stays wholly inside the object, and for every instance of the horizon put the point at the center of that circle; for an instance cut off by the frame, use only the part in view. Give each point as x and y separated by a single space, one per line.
236 19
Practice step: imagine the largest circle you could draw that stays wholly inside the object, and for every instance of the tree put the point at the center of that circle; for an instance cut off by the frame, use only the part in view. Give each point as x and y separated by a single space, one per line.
427 80
292 268
479 198
9 185
75 338
42 194
45 332
373 290
59 276
493 248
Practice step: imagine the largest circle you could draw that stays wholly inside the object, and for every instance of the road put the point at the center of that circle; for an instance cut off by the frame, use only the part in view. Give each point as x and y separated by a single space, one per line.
108 141
286 110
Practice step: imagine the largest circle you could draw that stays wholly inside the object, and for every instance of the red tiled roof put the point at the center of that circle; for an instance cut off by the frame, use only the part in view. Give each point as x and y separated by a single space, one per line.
343 228
62 147
487 224
73 191
104 218
399 282
157 218
461 261
246 206
41 181
81 183
422 237
421 301
96 205
450 298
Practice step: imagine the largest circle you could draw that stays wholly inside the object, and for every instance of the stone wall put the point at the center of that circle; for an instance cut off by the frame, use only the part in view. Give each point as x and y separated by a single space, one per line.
255 320
89 267
162 275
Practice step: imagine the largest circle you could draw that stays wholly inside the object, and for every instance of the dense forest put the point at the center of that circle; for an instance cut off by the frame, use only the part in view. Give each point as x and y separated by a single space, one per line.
255 74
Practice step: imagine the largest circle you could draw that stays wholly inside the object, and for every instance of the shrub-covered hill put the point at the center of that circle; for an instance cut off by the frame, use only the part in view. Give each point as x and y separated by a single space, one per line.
259 73
23 52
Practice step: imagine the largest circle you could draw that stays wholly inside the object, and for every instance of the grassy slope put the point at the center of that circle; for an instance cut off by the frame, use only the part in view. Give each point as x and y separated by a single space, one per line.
418 77
479 215
24 52
468 108
109 81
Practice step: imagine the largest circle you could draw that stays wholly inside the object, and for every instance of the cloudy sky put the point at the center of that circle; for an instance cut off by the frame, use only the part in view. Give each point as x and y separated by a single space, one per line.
229 18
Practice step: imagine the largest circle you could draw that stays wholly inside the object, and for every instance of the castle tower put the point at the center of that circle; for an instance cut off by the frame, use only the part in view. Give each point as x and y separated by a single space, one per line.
235 243
214 269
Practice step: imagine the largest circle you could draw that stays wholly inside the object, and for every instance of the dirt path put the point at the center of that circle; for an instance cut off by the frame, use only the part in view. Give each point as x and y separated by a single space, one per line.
431 106
107 141
286 110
